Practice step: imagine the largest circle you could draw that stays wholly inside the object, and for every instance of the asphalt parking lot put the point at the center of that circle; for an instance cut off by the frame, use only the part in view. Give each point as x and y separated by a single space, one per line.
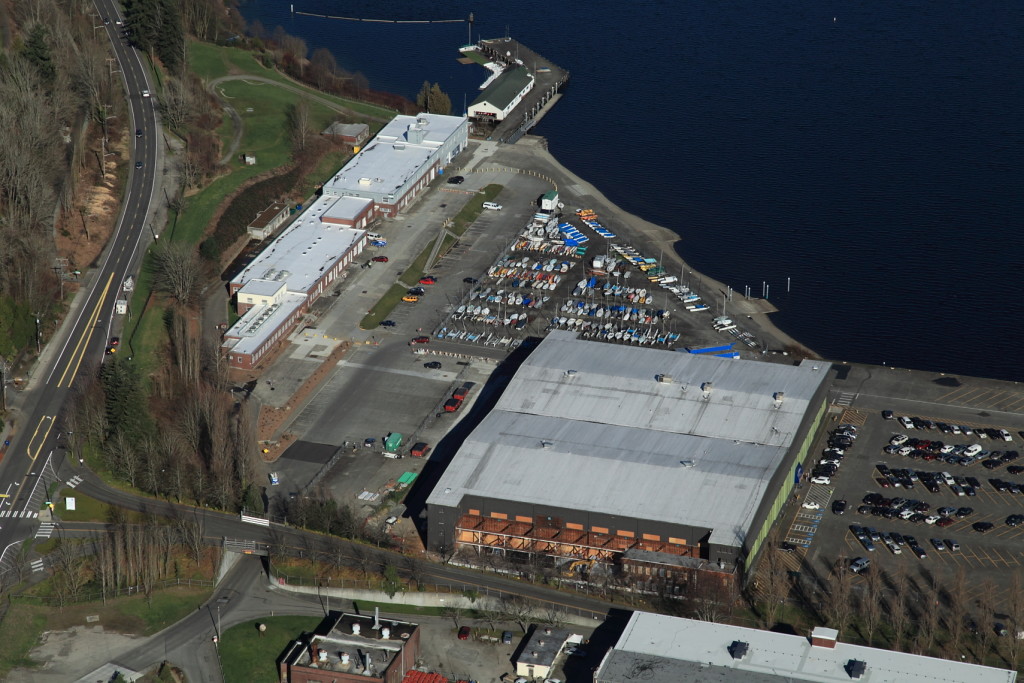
822 537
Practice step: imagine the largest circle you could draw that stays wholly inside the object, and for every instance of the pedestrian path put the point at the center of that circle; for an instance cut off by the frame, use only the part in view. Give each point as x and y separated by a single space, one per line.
74 481
45 530
38 566
24 514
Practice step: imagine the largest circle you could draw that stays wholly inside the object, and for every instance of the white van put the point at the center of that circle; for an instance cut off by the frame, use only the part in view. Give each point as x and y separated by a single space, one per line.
374 236
492 206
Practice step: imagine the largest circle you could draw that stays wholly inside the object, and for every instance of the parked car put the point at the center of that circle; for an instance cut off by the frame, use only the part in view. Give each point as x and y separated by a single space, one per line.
380 259
982 527
419 449
274 479
387 323
456 180
419 340
839 507
428 280
787 547
821 480
811 505
888 415
410 299
506 638
433 365
492 206
470 280
464 633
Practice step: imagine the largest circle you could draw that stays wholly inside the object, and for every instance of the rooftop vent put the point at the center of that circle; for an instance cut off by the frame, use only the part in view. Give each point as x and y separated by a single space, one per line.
856 668
687 463
546 445
706 387
570 373
778 396
738 649
664 379
355 629
365 181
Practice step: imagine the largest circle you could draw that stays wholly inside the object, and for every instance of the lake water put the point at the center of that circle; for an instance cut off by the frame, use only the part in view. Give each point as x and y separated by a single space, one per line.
870 152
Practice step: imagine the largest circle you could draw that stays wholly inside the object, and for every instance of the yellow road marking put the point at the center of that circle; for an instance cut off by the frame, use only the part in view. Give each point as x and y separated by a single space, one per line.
44 418
82 344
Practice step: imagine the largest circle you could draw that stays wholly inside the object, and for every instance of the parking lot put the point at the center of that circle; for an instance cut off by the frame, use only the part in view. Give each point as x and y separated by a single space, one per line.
932 489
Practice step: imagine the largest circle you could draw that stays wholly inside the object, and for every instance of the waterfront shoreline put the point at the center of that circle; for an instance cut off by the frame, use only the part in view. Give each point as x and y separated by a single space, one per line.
755 312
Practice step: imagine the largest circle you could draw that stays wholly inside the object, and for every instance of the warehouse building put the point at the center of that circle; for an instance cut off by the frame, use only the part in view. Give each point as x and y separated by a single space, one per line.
503 94
276 289
631 460
660 649
399 163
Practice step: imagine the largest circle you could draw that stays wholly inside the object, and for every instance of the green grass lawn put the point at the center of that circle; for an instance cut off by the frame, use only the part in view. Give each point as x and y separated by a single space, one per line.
86 509
19 633
328 165
248 657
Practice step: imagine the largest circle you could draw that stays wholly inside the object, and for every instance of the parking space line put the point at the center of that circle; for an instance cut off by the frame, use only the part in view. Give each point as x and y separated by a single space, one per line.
996 552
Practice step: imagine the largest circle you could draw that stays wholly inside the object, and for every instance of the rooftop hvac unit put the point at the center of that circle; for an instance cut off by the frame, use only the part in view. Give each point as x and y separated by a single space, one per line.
778 396
570 373
664 379
738 649
856 668
706 387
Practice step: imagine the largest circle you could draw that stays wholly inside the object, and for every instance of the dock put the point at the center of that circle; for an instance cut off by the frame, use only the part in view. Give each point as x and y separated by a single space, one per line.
549 79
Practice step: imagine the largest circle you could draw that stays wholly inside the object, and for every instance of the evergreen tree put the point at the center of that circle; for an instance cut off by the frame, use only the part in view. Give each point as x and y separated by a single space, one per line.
423 96
438 102
125 398
38 52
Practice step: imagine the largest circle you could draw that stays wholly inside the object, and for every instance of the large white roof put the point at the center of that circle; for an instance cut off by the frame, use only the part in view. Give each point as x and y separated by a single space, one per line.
395 155
586 425
307 248
672 649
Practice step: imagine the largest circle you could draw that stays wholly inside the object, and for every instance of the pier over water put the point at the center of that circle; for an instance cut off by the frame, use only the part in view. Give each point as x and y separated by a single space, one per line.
549 79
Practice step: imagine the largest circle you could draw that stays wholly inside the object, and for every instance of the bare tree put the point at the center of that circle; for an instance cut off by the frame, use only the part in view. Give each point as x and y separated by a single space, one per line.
986 621
177 271
518 610
928 623
299 124
69 575
190 535
837 604
1015 611
899 616
454 613
956 612
773 586
870 603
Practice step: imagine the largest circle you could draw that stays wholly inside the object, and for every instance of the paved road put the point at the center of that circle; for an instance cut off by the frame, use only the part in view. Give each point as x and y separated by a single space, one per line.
78 348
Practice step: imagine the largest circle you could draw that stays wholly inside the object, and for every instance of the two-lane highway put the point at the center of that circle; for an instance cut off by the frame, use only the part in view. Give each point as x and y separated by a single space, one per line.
79 346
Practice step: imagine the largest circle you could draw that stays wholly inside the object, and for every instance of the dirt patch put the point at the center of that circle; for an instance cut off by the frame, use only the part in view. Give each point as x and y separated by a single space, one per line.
83 232
272 418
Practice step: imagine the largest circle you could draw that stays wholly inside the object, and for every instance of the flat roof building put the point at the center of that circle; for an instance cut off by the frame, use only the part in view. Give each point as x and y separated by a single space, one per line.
676 650
596 449
267 221
354 648
401 160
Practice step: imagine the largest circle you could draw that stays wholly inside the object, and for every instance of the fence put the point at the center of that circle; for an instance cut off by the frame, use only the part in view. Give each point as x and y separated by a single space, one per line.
424 594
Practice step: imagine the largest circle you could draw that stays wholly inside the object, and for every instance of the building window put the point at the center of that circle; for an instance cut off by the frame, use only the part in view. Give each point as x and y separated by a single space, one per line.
677 541
599 530
474 512
499 515
520 518
627 534
574 527
652 537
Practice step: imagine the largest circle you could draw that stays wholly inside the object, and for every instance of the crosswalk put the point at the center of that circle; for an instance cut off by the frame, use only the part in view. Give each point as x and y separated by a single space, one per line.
845 399
45 530
38 566
24 514
74 481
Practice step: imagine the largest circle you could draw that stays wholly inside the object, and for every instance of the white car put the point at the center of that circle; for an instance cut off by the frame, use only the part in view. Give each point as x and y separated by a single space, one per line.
145 93
972 450
1005 434
821 480
899 439
274 479
906 422
931 519
492 206
811 505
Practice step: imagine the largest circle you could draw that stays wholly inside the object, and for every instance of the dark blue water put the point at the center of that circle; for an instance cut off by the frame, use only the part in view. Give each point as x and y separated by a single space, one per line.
869 151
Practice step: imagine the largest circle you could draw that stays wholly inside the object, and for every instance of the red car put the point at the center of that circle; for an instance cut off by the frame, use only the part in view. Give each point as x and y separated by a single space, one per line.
464 633
428 280
380 259
419 340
